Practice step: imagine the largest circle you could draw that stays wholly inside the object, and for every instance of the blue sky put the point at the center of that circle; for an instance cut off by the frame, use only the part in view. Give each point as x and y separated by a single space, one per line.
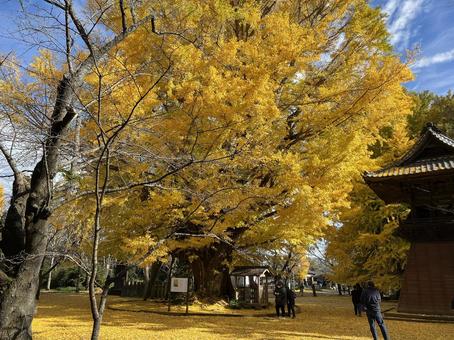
425 24
429 26
10 15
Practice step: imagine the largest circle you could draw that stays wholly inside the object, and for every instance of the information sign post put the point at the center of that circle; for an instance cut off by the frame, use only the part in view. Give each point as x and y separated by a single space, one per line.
180 285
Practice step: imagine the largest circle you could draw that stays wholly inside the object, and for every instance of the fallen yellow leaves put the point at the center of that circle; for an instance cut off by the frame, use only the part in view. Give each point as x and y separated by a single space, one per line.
66 316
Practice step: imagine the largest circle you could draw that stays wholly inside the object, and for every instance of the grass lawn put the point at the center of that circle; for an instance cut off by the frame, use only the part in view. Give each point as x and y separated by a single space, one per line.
66 316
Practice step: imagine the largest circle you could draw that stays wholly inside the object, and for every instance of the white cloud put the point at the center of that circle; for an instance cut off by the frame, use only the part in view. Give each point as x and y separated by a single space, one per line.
390 7
439 82
400 26
435 59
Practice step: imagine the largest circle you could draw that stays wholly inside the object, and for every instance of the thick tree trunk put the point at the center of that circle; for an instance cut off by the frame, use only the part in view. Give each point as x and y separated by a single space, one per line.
150 273
13 234
146 282
314 292
19 298
17 306
120 279
211 275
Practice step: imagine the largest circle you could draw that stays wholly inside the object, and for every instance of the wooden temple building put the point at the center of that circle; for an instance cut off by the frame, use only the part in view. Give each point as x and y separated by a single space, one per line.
424 179
252 285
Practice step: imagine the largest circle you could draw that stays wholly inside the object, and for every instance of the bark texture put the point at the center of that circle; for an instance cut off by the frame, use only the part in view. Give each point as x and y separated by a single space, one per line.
27 227
13 232
18 300
211 274
150 273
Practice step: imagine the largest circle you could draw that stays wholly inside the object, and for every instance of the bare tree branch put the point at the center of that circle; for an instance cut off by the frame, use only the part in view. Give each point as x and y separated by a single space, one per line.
5 58
123 15
11 162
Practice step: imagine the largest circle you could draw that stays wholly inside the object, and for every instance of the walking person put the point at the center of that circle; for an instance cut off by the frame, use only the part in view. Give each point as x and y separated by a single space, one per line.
356 299
280 296
370 299
291 296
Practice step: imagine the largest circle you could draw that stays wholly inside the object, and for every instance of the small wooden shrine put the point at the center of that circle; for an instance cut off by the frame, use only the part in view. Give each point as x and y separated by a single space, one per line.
424 179
251 285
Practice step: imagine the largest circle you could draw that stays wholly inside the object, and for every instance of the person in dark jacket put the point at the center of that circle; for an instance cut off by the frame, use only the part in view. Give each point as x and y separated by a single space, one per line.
280 298
291 296
370 299
356 299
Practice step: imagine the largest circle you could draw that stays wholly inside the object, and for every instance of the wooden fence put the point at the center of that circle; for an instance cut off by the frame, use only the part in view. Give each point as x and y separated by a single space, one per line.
136 289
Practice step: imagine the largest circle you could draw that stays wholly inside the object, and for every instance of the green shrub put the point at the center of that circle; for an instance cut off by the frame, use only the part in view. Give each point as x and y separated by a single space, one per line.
234 304
64 277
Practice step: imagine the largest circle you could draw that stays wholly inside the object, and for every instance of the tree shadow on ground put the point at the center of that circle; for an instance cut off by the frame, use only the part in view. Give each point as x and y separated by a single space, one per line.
319 318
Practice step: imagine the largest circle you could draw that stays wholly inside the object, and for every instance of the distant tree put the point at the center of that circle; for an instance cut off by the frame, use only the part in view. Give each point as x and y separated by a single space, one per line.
365 247
429 107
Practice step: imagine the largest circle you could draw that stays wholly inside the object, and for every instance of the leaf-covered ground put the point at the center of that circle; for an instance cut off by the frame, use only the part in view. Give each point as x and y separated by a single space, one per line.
66 316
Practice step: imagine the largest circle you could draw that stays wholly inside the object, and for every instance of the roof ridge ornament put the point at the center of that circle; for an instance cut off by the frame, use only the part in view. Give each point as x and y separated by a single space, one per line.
431 126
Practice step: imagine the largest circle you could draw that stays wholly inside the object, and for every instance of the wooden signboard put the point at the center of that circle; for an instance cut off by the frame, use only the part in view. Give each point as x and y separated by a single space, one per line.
179 285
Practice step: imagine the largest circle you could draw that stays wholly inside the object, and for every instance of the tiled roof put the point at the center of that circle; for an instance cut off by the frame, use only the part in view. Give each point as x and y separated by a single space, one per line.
419 167
409 164
443 138
429 131
249 270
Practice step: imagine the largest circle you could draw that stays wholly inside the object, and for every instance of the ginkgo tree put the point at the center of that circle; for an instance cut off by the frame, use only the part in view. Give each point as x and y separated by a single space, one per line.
366 247
206 128
363 245
267 112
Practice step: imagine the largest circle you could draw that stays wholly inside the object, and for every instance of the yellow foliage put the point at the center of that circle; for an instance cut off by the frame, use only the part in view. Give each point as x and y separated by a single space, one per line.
270 115
365 247
43 68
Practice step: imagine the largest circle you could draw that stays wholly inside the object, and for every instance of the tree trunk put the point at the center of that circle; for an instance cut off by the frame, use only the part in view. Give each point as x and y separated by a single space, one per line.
98 320
146 282
169 281
17 306
78 280
26 229
150 278
19 298
13 234
49 277
96 328
211 275
314 292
